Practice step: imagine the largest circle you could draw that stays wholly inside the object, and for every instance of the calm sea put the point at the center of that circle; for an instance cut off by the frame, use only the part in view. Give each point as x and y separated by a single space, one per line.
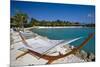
69 33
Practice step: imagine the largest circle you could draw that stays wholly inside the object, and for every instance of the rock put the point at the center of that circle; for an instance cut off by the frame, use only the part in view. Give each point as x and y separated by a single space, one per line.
91 56
83 54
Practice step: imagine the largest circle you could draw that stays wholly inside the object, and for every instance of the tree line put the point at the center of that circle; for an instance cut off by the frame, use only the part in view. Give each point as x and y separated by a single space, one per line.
22 20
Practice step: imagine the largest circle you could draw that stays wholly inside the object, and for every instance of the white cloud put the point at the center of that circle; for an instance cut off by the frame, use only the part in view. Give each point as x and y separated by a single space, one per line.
90 15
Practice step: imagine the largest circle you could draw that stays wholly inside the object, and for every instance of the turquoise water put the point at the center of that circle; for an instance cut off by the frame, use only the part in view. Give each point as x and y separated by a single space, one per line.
69 33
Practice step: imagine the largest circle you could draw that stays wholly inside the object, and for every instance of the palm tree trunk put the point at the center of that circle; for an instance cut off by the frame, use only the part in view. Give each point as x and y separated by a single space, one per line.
22 27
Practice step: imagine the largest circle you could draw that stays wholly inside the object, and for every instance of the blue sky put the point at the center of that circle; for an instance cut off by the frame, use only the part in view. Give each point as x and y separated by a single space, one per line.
54 11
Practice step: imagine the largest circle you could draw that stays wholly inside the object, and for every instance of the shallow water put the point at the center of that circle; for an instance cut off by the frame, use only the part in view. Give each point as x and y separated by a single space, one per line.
69 33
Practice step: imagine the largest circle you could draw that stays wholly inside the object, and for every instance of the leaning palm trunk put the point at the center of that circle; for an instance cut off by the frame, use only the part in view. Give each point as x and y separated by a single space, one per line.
22 26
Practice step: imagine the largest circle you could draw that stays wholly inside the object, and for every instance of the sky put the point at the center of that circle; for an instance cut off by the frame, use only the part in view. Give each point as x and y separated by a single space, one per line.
55 11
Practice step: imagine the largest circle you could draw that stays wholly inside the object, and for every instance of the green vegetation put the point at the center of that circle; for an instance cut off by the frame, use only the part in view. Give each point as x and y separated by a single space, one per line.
21 20
35 22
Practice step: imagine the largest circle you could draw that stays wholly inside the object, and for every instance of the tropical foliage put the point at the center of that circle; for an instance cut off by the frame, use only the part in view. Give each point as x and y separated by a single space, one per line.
19 20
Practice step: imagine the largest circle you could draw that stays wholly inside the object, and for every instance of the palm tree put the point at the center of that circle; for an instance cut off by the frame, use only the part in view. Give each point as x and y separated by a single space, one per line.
21 19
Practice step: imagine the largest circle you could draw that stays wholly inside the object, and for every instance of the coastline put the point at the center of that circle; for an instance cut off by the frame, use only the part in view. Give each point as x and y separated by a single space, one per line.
60 27
40 27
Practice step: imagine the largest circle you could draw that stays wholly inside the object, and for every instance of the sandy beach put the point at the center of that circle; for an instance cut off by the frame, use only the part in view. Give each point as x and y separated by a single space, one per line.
39 27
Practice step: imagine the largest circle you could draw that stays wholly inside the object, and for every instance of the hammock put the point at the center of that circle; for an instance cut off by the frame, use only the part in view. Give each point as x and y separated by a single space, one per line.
48 57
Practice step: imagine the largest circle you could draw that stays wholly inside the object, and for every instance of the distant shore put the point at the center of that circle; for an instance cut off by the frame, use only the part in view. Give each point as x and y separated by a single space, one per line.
60 27
39 27
55 27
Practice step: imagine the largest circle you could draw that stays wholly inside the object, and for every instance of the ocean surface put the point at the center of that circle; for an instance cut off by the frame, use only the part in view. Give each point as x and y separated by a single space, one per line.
69 33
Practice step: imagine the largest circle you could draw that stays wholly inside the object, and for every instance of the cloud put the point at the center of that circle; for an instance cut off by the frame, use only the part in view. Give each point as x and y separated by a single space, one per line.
90 15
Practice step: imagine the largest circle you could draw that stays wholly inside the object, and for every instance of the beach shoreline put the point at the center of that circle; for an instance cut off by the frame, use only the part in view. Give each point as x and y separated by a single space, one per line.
40 27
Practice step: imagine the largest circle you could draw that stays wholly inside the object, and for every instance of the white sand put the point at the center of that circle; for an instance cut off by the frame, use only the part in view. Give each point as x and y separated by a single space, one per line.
39 27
